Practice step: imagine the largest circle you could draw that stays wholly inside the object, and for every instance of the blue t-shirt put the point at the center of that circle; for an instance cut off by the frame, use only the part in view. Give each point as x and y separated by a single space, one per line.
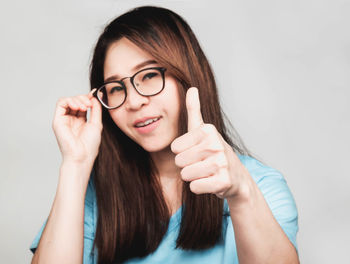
270 182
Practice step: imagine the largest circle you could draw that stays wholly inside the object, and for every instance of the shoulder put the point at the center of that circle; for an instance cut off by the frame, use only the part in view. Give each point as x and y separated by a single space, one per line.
270 181
258 170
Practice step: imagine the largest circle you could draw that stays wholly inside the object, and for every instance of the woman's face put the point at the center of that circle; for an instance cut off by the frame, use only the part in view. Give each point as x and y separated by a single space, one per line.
124 59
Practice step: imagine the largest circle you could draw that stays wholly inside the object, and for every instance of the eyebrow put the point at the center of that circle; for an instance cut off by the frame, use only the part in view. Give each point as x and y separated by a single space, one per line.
115 77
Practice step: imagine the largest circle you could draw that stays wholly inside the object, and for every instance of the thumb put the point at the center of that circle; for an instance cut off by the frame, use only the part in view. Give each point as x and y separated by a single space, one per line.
194 116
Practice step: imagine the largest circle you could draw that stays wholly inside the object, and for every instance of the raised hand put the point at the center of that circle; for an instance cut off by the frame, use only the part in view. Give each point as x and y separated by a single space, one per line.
77 137
207 161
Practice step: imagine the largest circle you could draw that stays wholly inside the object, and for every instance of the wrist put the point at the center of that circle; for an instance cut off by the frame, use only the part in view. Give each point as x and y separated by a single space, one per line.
245 192
81 163
76 170
78 157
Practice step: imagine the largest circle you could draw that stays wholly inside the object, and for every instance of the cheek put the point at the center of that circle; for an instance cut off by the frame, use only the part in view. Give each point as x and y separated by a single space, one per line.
176 112
173 97
174 105
118 118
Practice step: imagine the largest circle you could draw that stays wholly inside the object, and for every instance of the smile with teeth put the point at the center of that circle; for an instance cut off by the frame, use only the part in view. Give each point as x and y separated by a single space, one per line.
147 122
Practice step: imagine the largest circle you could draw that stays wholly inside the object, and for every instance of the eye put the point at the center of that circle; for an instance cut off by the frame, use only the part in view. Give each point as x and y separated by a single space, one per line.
149 75
114 89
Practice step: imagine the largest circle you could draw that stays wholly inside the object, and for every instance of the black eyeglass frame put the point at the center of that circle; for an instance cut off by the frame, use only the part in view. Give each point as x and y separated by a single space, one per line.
121 82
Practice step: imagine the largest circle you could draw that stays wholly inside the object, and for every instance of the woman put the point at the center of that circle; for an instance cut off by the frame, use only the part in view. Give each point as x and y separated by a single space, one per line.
167 182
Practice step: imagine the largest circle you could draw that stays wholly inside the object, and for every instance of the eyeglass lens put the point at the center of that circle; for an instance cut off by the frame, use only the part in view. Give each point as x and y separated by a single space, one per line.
147 82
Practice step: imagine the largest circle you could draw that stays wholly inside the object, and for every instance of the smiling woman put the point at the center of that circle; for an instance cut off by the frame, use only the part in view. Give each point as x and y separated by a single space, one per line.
146 100
154 175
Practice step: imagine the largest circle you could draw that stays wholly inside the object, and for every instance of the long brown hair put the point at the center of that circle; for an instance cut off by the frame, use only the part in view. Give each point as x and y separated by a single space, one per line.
132 213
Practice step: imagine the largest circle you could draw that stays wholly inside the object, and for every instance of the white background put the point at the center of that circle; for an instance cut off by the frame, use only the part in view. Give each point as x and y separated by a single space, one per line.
283 72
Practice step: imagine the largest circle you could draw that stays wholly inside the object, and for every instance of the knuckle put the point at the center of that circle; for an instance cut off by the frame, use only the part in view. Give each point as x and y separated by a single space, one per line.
199 132
73 99
215 167
221 160
213 146
61 100
217 145
78 98
84 98
208 129
211 165
223 185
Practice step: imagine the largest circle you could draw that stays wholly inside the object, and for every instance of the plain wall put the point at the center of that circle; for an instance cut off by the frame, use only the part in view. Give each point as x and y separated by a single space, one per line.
283 72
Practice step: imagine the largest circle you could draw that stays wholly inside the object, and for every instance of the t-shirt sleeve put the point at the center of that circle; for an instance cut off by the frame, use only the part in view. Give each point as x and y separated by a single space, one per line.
89 226
36 240
277 195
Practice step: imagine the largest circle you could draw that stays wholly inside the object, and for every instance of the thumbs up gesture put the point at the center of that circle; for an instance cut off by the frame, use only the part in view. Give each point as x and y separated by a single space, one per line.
207 161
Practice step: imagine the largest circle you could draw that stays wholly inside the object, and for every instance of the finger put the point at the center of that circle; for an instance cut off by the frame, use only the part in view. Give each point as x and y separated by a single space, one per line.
204 168
84 99
186 141
217 184
96 112
65 106
74 106
206 135
193 109
192 155
61 107
91 93
82 102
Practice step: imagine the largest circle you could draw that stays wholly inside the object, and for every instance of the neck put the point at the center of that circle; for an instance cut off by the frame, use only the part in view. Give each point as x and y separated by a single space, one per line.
165 164
169 177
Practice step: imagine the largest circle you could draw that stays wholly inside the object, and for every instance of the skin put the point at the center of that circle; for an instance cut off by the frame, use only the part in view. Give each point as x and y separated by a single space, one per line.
200 156
211 166
62 240
121 59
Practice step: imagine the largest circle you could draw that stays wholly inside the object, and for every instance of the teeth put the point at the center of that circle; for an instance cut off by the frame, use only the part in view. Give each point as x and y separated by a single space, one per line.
147 122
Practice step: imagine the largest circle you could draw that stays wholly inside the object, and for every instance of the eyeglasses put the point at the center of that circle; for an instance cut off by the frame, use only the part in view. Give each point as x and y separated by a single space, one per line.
147 82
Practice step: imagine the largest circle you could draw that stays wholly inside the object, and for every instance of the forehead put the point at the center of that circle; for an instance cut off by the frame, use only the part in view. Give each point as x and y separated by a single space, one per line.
121 58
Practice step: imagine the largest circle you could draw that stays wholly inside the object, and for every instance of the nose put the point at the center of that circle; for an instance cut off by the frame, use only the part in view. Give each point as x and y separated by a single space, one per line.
134 100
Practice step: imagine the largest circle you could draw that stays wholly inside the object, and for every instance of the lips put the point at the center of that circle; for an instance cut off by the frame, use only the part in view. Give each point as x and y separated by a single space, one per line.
145 121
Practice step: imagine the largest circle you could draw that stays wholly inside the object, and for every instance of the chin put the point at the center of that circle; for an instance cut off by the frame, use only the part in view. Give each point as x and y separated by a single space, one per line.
152 148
